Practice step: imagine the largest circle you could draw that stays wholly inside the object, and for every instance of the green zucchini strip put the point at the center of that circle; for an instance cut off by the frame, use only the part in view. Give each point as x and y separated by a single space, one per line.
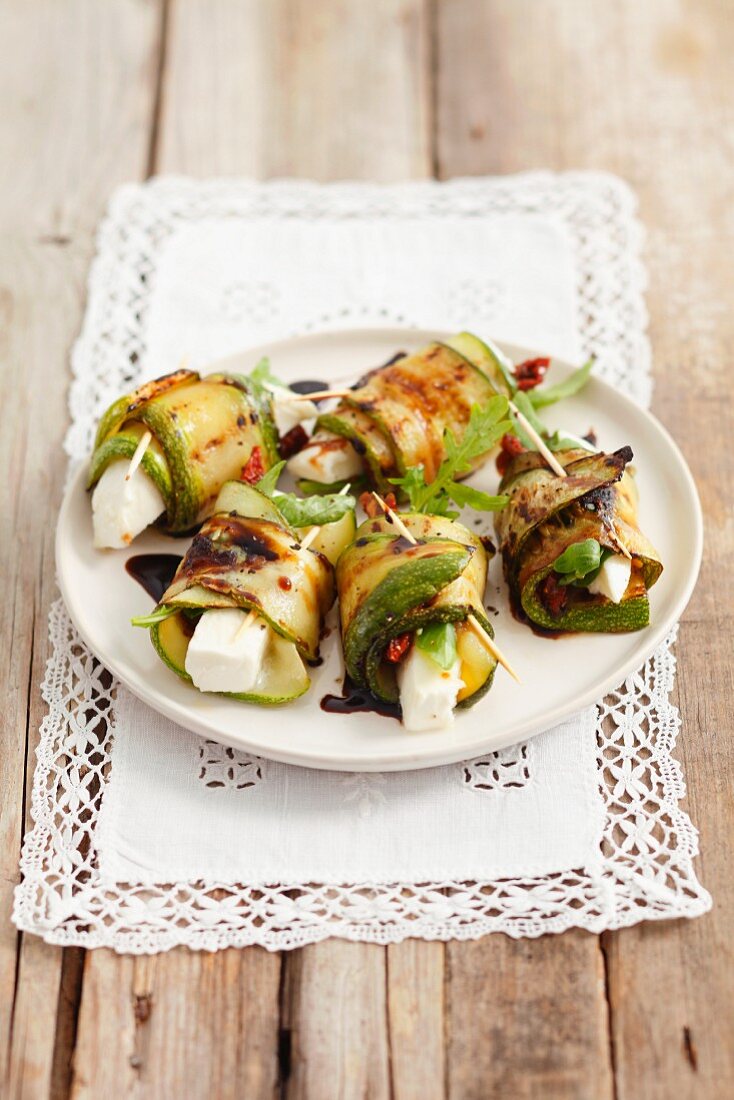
397 417
547 514
388 586
247 556
204 432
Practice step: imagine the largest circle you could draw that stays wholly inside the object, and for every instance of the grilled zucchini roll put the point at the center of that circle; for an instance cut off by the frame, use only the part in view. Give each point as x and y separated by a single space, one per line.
204 431
572 551
246 607
395 598
395 420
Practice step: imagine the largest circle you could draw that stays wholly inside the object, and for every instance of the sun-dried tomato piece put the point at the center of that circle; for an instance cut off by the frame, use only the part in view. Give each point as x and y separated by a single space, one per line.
510 446
254 468
553 595
372 508
397 648
531 373
293 441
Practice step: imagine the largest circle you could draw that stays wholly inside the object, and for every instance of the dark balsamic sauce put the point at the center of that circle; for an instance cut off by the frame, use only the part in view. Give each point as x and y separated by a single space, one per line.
519 614
308 385
357 700
153 572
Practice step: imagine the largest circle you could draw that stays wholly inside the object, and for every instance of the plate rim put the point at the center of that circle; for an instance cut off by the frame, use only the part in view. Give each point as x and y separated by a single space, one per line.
405 760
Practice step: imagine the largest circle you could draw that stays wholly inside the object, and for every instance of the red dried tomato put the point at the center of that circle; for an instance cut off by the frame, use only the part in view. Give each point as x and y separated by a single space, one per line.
510 446
397 648
371 506
293 442
553 595
531 373
254 468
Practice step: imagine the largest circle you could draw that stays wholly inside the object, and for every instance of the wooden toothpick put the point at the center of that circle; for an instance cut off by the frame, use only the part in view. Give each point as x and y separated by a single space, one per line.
547 454
393 515
471 619
320 395
246 623
489 644
137 458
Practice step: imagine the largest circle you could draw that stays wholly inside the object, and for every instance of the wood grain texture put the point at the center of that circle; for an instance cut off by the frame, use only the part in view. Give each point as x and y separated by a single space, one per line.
186 1024
643 90
75 86
528 1018
335 1011
382 90
331 89
416 1019
72 85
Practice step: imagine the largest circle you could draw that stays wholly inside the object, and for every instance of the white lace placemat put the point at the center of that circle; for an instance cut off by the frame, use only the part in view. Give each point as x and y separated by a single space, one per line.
146 836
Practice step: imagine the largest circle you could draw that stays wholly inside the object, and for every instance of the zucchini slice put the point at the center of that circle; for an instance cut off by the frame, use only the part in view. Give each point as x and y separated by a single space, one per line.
389 586
283 676
547 514
246 556
205 430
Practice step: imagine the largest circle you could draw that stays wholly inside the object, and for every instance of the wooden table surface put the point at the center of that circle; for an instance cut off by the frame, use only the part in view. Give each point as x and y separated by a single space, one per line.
95 92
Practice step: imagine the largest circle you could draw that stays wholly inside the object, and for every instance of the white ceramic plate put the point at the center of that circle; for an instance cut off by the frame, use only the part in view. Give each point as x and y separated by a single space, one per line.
559 675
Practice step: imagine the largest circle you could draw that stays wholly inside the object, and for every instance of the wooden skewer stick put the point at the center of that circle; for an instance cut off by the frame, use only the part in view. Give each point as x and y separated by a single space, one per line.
137 458
472 619
547 454
490 645
246 624
320 395
393 515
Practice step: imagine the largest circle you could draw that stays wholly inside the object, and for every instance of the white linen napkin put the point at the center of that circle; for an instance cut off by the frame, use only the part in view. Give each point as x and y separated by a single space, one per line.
168 838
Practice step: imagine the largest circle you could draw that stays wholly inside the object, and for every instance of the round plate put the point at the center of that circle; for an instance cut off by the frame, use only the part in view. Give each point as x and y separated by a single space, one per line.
559 676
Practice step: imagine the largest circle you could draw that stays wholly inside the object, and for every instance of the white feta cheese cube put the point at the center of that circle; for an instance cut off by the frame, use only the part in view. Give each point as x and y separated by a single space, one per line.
288 411
122 507
326 458
223 657
613 578
427 692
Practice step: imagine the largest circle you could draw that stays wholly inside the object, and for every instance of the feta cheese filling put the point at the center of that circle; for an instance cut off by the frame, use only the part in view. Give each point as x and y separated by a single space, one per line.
428 693
613 578
123 506
288 411
224 657
327 458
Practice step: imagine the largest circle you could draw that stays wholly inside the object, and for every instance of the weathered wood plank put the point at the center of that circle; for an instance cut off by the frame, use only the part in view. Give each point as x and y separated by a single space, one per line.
75 85
71 94
416 1019
527 1018
180 1024
330 90
642 90
41 287
334 1009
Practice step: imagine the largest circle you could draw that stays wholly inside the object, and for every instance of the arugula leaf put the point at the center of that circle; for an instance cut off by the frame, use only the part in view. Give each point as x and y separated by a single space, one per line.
262 377
522 402
468 497
268 482
548 395
580 563
156 616
485 427
313 511
438 641
566 441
